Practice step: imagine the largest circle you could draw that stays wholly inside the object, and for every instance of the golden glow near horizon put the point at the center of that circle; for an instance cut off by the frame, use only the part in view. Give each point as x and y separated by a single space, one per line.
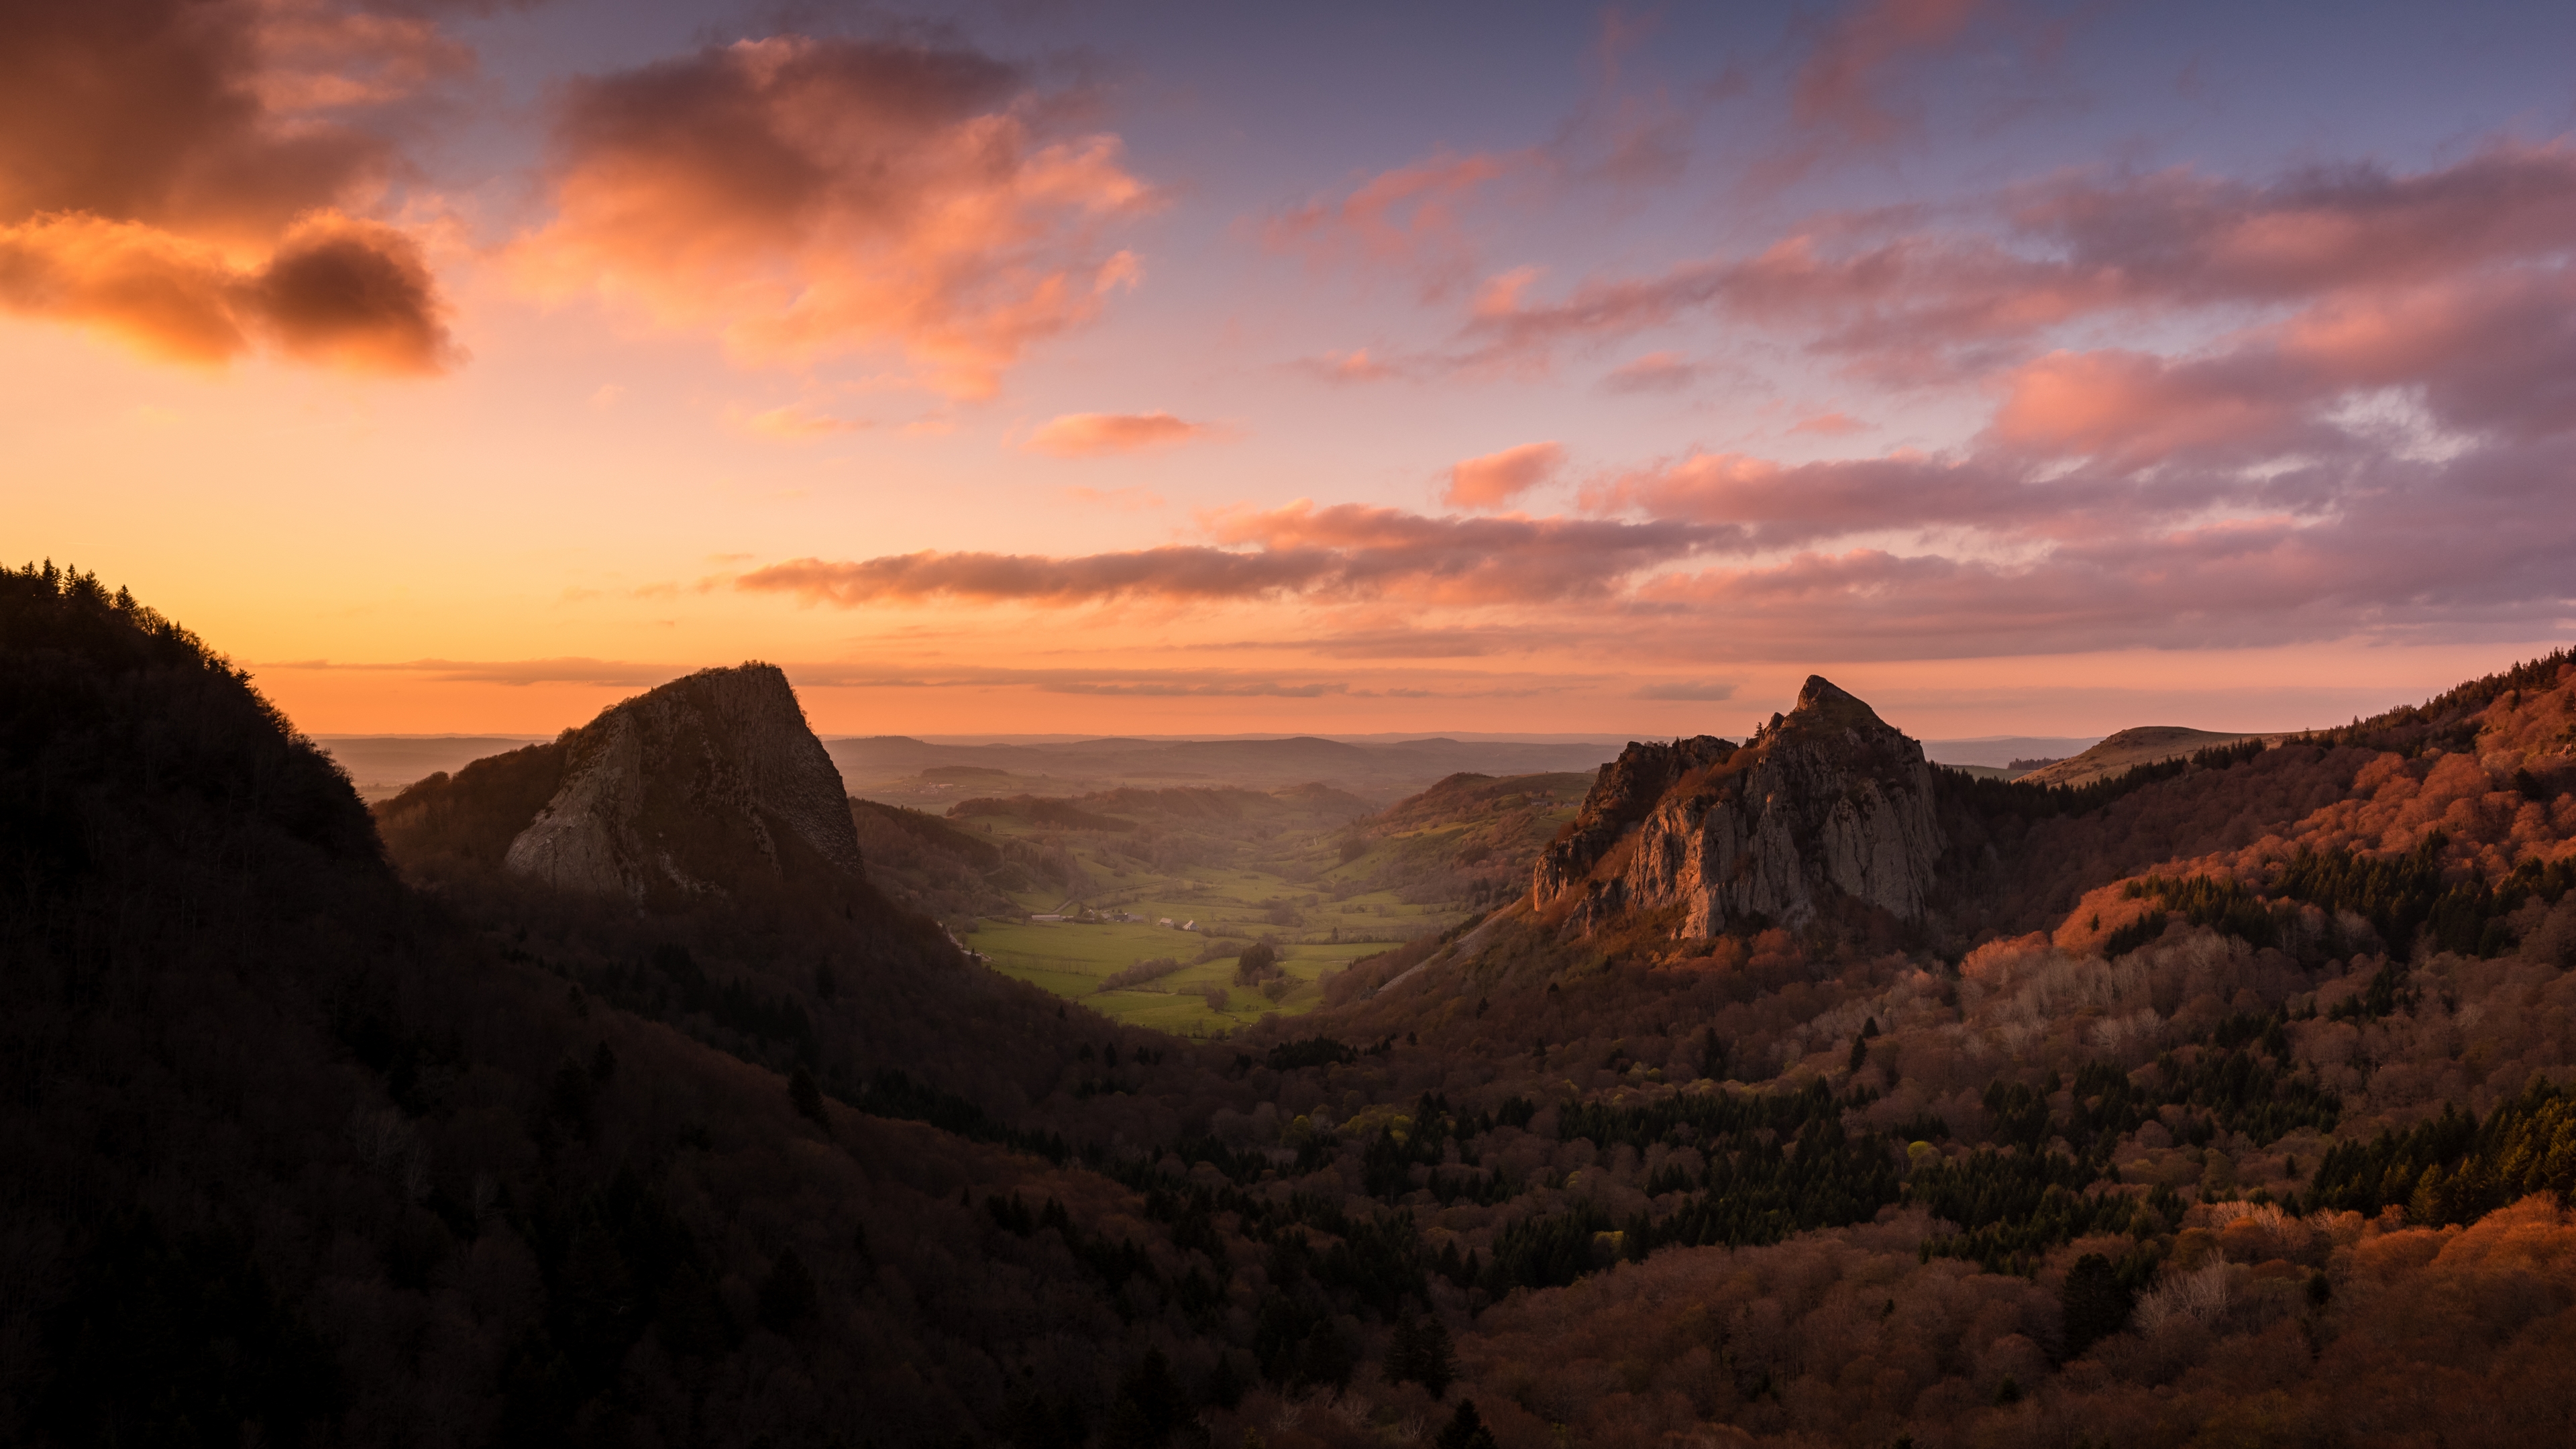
984 398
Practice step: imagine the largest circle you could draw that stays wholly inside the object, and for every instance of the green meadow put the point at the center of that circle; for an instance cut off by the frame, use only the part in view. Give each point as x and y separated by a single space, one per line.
1324 886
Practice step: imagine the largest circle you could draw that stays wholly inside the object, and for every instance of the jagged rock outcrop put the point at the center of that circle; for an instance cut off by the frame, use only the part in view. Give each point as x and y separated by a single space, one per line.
700 786
1827 801
1622 795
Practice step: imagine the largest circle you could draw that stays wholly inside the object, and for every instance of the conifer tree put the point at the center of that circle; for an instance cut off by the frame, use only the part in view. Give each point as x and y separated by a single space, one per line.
2095 1305
808 1097
1466 1430
1435 1366
1403 1353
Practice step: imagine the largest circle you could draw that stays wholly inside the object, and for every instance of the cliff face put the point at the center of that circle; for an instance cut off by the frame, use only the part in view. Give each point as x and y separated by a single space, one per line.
1827 801
697 787
1624 793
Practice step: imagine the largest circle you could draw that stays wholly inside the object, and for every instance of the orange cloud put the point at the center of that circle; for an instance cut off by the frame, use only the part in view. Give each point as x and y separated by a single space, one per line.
335 290
152 112
803 198
317 55
1093 435
1497 478
164 179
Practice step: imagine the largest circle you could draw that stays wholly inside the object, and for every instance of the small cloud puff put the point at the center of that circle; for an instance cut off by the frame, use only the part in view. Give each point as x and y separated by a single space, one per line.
1654 372
1495 479
1353 366
1093 435
1836 424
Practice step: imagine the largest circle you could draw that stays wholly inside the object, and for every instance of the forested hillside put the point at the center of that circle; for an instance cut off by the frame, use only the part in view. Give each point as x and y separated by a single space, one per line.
2226 1101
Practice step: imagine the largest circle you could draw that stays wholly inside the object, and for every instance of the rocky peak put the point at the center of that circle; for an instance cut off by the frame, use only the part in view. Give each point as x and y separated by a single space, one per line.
701 786
1825 803
1621 796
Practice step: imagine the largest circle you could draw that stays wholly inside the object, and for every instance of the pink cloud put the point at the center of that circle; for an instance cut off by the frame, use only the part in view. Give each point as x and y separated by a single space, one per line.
2140 408
1832 424
1776 505
1845 85
2488 351
2367 435
1728 557
1626 135
1406 218
1093 435
1357 365
1495 479
1654 372
1181 572
2186 236
804 198
1902 303
1337 553
1471 561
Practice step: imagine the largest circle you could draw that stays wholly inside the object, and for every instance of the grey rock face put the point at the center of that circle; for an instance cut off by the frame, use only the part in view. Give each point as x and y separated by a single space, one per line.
1826 801
1626 792
693 788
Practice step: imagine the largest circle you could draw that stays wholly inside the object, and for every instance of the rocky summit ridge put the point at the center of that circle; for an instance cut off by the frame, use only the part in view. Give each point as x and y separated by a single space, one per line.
700 786
1825 804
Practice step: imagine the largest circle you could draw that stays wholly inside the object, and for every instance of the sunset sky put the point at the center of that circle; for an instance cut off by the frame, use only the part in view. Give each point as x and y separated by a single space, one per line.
1049 366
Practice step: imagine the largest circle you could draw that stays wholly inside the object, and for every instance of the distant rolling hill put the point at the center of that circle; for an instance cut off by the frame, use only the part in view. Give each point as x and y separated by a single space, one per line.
1999 751
381 765
907 771
2130 748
